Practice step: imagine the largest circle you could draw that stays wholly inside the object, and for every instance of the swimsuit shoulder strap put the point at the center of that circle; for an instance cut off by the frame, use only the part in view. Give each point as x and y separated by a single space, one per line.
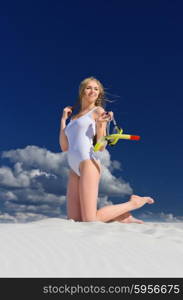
91 110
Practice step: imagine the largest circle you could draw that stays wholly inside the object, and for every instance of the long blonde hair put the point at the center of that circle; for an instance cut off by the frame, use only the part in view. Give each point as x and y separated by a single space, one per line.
100 101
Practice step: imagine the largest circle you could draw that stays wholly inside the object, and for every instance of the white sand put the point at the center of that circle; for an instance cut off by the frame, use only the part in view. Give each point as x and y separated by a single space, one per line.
62 248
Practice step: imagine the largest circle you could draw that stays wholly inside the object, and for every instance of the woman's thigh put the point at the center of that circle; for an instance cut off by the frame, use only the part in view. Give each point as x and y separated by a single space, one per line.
91 166
90 171
73 200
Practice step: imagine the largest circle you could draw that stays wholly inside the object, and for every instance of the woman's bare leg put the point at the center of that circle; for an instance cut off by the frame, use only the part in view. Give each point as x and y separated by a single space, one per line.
110 212
127 218
73 201
88 190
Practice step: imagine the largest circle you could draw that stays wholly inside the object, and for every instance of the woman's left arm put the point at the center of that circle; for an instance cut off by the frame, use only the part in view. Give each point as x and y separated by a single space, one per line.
101 131
101 124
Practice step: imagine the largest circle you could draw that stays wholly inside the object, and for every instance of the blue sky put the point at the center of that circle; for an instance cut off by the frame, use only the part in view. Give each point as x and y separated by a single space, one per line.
134 48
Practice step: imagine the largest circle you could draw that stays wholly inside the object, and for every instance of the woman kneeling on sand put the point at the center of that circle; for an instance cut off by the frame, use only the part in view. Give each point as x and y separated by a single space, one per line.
85 168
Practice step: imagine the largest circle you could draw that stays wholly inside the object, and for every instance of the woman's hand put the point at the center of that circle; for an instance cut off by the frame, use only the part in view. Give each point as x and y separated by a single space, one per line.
105 117
67 111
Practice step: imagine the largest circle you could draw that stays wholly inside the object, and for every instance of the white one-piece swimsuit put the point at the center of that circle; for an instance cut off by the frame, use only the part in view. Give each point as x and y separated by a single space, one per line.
80 133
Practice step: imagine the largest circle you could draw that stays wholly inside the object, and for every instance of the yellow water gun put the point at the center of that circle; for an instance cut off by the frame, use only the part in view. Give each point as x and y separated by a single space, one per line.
112 139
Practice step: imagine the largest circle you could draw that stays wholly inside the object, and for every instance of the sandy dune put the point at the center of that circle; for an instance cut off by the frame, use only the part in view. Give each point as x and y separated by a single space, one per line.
61 248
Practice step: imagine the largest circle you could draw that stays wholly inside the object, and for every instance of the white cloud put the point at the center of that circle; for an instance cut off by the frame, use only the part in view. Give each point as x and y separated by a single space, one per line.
109 184
103 201
20 217
35 181
34 157
7 178
160 217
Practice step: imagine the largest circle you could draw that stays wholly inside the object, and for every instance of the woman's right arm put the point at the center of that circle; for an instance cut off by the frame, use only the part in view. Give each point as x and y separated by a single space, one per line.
63 141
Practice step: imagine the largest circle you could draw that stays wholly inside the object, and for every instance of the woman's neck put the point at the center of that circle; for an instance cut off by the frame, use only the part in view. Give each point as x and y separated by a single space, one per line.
87 108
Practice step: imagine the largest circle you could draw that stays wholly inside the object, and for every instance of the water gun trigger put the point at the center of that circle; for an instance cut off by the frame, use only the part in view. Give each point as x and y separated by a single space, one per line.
112 142
120 130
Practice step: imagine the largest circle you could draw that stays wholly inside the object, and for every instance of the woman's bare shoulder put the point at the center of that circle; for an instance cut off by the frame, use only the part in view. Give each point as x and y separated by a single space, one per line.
97 112
99 109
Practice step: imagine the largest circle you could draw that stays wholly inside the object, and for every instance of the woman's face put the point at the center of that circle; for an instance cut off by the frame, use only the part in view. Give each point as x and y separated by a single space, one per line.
91 92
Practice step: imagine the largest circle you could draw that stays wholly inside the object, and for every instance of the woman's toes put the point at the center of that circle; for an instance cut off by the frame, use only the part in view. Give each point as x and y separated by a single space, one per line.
150 200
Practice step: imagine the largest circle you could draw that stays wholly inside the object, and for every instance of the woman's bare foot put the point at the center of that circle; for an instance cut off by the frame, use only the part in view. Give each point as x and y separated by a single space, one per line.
128 218
138 201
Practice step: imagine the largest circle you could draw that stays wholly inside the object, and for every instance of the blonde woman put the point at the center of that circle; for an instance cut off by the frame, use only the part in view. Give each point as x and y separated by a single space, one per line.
77 138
